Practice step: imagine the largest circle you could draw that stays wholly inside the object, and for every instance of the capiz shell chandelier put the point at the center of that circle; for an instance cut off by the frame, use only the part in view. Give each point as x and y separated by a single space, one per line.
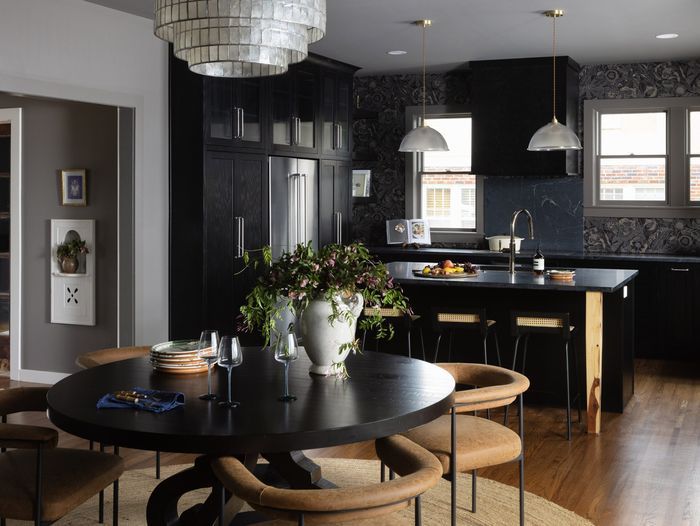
240 38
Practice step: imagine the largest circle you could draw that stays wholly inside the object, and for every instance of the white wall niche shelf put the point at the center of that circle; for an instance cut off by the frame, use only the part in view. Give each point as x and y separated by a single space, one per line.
73 295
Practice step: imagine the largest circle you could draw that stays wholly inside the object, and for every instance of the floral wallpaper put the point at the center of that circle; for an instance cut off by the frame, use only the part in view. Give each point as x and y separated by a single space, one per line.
630 81
378 127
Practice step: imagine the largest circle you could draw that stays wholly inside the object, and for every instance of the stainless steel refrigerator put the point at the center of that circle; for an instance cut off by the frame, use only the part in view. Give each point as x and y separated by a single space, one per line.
293 203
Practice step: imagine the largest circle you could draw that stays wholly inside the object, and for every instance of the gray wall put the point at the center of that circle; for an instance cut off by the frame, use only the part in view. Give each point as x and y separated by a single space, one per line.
56 135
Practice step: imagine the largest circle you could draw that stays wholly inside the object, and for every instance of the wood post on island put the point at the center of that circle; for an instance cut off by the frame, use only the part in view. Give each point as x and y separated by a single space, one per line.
594 359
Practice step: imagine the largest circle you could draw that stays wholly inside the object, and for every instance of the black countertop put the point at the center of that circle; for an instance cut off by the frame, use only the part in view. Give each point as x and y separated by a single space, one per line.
586 280
463 253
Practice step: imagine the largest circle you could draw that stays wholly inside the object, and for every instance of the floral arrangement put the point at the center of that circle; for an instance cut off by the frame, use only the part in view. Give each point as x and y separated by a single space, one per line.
71 249
335 270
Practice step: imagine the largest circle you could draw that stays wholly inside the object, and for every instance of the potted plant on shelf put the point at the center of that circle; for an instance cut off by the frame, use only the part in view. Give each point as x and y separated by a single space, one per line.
67 255
326 290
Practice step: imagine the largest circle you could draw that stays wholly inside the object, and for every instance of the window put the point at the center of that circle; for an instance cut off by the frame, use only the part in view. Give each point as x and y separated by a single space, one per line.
440 185
642 156
694 157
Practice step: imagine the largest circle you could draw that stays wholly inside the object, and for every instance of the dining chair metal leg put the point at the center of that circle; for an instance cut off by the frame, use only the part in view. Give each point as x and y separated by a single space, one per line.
222 503
115 496
2 450
37 489
418 512
301 519
437 347
568 392
158 465
453 467
521 432
473 491
408 335
382 472
101 498
392 475
515 361
486 354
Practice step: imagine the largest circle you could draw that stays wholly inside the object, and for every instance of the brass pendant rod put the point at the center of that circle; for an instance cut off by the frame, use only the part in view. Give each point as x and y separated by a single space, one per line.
554 68
424 27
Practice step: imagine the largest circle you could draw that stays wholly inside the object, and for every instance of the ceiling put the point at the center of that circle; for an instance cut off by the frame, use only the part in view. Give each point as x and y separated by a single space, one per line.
360 32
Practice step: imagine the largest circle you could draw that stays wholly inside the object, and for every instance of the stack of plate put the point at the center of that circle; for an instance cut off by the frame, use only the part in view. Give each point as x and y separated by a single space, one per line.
177 357
561 275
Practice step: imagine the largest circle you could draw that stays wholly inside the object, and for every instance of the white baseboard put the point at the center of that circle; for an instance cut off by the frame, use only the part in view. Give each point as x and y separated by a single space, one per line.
39 377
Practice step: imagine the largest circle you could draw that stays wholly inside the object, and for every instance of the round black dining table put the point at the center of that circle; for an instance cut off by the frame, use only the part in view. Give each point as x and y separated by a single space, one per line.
385 394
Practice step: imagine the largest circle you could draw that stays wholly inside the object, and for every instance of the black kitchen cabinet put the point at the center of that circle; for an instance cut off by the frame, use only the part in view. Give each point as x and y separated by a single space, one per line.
336 104
676 310
235 113
334 202
219 170
235 185
295 110
511 99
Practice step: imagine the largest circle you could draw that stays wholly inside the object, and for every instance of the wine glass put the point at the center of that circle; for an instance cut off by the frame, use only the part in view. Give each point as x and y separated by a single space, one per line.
230 356
207 350
286 351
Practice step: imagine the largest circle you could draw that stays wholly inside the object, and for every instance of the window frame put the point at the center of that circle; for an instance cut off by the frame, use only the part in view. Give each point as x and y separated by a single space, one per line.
677 202
414 116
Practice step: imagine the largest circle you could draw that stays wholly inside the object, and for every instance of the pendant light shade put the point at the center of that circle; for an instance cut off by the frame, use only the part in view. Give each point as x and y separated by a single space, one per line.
423 138
554 135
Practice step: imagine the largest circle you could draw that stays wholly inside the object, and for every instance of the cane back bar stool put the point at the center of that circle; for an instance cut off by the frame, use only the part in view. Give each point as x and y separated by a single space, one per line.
361 505
448 320
400 321
525 323
114 354
465 443
42 482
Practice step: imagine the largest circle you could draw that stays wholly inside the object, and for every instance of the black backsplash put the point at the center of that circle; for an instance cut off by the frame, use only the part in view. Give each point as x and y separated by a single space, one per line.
556 203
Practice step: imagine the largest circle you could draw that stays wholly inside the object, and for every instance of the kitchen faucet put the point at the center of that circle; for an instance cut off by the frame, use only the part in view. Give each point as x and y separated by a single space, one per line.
531 232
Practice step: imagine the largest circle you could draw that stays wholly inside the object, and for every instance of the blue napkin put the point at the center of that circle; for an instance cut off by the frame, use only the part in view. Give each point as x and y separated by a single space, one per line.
139 398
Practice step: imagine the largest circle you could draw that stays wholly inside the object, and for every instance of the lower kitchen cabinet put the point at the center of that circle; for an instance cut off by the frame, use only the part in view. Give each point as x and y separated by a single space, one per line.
334 202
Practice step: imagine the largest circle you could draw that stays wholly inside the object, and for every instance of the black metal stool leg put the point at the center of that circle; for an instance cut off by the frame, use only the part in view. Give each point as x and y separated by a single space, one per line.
115 497
449 348
382 472
422 343
364 338
408 332
577 382
158 465
101 501
437 347
498 350
486 354
568 392
515 361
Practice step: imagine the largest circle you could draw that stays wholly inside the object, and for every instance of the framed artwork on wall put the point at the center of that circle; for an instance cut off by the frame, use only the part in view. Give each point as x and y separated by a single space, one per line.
73 187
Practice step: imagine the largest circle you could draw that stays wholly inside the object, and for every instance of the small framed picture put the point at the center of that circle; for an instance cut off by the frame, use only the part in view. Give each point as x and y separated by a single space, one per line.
73 187
361 180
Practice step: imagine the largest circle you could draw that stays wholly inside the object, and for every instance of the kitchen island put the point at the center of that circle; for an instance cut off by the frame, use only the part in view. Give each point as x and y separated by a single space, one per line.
599 300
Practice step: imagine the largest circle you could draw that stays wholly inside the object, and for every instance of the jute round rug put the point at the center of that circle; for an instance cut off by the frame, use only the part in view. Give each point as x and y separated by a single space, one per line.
497 503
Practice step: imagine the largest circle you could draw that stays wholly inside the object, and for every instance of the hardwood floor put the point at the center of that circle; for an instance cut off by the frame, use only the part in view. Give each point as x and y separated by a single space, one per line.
643 469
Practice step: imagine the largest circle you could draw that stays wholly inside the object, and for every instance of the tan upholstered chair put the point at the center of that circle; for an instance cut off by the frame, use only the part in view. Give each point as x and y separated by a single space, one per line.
39 481
115 354
92 359
463 442
419 472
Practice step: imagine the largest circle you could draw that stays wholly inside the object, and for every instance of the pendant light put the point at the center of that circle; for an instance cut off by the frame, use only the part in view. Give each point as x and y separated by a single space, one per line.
554 135
423 138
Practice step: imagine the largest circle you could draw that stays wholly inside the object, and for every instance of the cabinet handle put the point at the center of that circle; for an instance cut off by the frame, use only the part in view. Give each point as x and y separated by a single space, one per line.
236 123
297 123
339 137
239 236
680 269
338 227
241 123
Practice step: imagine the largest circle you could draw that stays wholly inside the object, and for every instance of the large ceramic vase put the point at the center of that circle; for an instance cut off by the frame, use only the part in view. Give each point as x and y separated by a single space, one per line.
322 339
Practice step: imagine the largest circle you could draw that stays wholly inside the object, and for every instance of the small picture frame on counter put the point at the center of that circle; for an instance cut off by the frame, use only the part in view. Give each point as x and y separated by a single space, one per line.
73 187
361 181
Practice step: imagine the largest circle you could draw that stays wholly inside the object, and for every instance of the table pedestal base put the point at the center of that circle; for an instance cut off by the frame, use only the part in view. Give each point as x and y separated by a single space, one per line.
294 468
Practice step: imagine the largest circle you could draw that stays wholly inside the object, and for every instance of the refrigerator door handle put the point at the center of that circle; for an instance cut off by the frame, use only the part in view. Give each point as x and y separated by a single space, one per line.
301 217
292 211
241 123
338 216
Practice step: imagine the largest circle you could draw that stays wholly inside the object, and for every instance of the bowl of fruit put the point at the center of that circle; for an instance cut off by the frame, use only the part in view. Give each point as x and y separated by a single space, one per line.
448 269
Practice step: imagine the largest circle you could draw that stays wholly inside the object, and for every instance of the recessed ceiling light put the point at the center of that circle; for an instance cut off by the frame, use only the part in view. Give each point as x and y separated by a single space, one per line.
397 52
667 36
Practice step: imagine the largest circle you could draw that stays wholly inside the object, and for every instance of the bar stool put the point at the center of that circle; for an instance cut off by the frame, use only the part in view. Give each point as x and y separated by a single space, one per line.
449 320
524 323
399 320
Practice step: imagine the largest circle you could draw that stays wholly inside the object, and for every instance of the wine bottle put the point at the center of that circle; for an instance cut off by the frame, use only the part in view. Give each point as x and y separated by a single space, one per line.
538 262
